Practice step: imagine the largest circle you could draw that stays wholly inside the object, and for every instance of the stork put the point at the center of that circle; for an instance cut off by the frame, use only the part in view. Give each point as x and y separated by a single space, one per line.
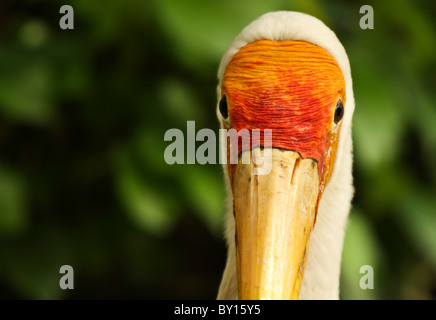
287 72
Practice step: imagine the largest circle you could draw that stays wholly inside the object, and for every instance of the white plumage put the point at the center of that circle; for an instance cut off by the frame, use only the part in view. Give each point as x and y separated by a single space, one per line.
321 277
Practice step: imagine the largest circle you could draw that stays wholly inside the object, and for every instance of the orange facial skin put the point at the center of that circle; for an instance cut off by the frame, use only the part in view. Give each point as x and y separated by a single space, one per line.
291 87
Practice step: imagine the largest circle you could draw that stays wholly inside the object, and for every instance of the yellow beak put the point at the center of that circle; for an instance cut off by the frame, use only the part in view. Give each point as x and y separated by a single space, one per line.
274 216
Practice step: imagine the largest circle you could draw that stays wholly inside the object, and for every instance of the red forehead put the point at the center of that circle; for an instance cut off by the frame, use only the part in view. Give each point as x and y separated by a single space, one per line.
290 87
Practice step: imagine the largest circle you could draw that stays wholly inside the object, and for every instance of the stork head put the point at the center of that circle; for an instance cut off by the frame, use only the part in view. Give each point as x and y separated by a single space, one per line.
286 72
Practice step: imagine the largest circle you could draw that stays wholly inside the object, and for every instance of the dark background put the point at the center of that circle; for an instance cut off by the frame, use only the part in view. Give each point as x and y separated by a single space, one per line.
83 114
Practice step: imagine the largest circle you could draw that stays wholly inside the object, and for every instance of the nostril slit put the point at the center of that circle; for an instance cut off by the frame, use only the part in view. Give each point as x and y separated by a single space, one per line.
296 165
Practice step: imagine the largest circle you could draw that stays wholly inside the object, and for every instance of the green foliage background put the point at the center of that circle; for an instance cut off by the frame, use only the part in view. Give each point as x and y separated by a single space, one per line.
83 113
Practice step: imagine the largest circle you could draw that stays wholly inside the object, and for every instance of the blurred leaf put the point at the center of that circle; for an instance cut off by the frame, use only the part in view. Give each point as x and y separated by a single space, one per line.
180 102
25 88
152 210
202 186
32 264
419 27
205 191
201 30
417 214
34 33
13 203
360 248
378 122
151 146
422 114
112 19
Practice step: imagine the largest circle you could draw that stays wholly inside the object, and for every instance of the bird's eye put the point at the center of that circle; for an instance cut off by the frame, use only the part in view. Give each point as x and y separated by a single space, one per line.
339 112
223 107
